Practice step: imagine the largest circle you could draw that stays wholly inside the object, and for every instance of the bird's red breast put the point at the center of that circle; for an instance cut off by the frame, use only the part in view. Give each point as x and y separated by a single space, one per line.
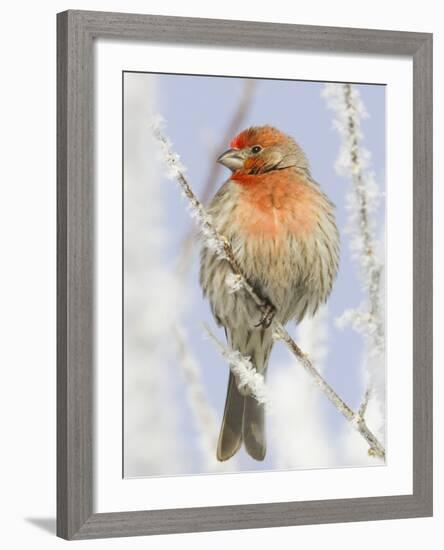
275 202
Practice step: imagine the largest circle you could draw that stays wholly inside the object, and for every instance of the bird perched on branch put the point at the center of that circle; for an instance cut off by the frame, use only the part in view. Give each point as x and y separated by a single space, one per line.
282 230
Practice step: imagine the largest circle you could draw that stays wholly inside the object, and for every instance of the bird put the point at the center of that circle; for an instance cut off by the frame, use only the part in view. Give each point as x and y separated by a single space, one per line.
282 229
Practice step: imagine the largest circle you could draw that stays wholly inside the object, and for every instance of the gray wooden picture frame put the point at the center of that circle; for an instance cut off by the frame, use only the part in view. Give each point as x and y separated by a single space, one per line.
76 32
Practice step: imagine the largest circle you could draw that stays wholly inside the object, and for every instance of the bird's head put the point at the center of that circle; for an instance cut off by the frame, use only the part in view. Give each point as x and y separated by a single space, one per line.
261 149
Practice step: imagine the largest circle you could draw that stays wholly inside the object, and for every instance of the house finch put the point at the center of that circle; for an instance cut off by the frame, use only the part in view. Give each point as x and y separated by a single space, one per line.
282 229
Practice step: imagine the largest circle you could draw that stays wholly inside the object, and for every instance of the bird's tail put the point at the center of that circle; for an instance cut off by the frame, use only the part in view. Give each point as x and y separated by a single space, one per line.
230 437
253 428
244 417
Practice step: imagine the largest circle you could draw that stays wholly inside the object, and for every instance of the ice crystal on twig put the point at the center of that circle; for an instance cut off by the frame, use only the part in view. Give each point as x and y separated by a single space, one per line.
248 379
233 282
171 158
176 170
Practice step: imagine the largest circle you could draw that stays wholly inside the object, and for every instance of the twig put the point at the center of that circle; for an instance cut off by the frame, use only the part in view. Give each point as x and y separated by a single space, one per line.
203 414
368 245
222 248
247 378
362 201
358 422
364 403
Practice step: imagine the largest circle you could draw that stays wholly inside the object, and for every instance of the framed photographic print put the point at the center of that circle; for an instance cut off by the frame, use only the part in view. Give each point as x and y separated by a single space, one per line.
244 274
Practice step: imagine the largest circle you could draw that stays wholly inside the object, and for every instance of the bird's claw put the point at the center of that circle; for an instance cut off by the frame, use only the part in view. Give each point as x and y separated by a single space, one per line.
268 313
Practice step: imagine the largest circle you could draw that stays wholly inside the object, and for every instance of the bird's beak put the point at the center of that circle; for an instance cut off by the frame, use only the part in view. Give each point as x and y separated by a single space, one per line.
232 159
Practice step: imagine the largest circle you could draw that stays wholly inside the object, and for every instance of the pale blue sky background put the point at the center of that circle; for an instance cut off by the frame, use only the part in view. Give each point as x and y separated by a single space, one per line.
197 111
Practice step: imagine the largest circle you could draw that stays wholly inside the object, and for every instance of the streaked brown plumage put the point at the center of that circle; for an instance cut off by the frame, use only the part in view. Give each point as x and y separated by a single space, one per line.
283 233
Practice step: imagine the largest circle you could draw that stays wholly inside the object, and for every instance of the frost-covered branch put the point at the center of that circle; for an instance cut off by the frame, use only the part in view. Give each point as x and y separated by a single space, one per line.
362 201
359 423
247 378
364 403
233 282
176 171
204 416
223 250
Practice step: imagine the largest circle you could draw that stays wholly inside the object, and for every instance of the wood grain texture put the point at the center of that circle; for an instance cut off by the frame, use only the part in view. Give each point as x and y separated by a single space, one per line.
76 31
74 276
219 32
423 274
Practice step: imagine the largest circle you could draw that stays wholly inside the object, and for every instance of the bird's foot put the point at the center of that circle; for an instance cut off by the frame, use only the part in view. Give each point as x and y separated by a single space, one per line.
268 313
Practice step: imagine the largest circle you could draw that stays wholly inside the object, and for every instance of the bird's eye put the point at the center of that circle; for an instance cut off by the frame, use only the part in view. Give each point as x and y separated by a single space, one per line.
256 149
